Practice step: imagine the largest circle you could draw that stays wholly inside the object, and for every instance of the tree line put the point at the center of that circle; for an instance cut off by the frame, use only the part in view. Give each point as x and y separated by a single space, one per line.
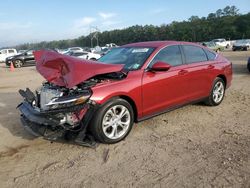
225 23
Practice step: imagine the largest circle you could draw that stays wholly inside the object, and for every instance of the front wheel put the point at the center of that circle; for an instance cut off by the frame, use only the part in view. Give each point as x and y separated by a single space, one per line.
18 63
113 121
217 93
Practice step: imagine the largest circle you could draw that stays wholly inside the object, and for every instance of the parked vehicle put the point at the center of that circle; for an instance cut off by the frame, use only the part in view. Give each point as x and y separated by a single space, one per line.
213 46
26 58
129 84
222 42
21 51
243 44
248 64
75 49
85 55
4 53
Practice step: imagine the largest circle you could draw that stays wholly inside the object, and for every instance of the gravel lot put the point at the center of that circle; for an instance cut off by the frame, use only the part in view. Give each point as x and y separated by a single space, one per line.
194 146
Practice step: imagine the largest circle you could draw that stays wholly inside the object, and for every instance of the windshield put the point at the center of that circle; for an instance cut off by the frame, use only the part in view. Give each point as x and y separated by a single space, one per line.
132 57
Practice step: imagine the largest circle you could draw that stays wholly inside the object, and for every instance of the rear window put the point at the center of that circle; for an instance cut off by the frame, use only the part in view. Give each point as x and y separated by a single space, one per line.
194 54
210 55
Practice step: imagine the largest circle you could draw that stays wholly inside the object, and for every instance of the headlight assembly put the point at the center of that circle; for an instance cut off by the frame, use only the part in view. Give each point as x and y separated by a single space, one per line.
68 101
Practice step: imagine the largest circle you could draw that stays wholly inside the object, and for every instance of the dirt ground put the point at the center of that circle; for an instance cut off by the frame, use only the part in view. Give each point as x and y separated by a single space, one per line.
194 146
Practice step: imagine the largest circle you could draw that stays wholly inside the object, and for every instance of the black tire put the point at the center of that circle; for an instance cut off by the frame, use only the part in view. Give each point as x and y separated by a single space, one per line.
248 64
96 127
92 59
18 63
210 100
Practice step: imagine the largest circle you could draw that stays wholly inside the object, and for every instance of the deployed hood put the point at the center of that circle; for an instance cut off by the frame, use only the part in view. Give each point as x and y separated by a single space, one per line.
68 71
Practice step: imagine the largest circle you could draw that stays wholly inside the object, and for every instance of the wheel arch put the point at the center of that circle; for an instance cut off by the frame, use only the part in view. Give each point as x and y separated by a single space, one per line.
128 99
223 77
133 105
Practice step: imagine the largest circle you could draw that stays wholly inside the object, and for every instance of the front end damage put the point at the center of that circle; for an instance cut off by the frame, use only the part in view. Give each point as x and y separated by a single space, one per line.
62 106
57 113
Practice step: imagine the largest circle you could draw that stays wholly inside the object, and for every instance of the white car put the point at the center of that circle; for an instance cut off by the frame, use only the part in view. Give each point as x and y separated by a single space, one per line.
4 53
222 42
84 55
75 49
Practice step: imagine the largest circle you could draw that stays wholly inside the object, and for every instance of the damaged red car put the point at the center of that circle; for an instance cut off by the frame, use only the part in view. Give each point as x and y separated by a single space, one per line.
99 101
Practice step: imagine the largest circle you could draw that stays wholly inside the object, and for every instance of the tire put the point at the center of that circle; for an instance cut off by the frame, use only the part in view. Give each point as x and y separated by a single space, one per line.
107 127
212 99
248 64
92 59
18 63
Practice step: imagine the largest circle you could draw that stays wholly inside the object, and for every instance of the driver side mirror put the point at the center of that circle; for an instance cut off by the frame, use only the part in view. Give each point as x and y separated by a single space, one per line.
160 66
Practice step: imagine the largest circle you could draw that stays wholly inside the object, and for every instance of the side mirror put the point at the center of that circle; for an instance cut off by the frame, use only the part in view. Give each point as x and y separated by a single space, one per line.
160 66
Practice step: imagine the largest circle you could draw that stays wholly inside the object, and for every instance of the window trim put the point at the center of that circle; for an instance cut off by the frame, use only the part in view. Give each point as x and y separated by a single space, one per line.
215 57
182 46
182 57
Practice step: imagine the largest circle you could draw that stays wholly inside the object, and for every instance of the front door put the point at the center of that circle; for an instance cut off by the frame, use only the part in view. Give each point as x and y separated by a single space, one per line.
165 89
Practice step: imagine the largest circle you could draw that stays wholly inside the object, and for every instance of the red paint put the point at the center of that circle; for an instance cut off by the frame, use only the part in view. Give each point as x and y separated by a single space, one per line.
151 92
68 71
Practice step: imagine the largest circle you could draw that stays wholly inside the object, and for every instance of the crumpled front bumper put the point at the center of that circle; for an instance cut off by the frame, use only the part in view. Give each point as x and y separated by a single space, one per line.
35 122
47 124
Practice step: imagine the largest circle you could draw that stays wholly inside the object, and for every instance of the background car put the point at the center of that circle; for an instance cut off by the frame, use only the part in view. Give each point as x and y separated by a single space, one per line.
213 46
84 55
26 58
222 42
243 44
4 53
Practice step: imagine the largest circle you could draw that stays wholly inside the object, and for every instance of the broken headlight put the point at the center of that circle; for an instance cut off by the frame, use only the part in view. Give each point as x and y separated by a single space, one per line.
68 101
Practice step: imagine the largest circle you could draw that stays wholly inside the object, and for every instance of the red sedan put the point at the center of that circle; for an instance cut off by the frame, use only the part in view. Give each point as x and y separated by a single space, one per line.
102 100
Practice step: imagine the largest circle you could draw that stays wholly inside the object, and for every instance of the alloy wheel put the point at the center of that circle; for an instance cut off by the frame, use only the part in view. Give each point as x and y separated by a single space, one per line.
116 121
218 92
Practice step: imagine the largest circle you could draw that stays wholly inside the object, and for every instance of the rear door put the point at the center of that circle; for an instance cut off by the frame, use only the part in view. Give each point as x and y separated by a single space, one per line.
200 69
165 89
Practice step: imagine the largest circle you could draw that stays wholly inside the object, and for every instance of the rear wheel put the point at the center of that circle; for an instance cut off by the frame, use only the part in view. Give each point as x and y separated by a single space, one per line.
113 121
18 63
217 93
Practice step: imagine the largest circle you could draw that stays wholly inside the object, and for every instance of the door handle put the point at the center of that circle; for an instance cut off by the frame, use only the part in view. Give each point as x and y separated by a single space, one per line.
182 72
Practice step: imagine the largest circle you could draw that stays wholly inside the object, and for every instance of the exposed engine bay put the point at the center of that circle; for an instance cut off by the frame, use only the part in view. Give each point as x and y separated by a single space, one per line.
53 111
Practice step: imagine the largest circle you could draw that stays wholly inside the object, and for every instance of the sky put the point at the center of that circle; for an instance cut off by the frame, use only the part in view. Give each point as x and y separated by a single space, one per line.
29 21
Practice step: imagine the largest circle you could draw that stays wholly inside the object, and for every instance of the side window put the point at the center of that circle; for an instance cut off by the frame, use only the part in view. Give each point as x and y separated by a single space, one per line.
29 52
170 55
194 54
210 55
11 51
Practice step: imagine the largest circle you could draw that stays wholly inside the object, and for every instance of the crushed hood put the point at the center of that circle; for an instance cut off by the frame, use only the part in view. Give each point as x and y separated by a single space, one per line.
68 71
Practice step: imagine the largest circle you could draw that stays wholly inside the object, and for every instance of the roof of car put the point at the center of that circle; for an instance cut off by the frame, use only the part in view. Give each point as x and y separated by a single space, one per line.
157 44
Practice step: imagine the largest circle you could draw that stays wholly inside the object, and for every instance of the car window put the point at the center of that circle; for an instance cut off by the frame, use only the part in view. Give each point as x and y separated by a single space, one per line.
131 57
29 52
4 51
194 54
170 55
210 55
11 51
